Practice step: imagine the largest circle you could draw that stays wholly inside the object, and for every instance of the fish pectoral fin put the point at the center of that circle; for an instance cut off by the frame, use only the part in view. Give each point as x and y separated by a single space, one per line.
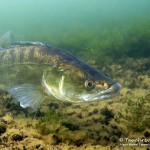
28 95
5 40
61 84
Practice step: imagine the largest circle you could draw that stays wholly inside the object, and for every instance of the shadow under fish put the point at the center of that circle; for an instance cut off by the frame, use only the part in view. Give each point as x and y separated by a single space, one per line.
31 70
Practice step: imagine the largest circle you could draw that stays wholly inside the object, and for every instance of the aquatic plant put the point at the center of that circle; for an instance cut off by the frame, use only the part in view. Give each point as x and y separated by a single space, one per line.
138 113
53 122
70 125
106 44
108 115
99 42
49 123
50 117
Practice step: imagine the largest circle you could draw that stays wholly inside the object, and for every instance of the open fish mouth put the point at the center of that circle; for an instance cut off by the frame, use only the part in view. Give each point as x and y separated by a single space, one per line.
113 91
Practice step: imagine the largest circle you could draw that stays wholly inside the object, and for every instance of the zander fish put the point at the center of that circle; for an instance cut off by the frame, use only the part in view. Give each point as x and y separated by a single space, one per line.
30 70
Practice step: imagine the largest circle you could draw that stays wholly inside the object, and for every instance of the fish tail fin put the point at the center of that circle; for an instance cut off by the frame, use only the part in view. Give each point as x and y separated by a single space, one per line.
6 39
28 95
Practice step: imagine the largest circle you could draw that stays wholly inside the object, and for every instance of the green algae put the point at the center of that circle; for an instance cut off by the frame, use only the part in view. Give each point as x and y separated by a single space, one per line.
49 123
54 122
70 125
139 113
101 45
51 117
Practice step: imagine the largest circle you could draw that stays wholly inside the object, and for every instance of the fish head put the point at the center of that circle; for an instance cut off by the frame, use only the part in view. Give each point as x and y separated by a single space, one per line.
78 84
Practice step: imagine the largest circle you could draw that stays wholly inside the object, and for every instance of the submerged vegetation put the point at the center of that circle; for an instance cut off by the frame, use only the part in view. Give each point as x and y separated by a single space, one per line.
53 122
114 39
139 113
101 44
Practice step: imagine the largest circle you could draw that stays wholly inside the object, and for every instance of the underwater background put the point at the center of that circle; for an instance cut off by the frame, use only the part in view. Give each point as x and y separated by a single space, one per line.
112 36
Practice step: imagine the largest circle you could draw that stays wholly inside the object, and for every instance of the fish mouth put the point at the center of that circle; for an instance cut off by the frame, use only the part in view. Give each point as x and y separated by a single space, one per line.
113 91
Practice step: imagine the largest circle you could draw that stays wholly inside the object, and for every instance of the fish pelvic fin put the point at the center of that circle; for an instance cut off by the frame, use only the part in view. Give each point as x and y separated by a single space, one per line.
28 95
6 39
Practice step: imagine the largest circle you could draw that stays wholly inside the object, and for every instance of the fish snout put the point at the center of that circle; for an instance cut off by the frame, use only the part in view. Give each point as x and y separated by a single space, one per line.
115 87
113 91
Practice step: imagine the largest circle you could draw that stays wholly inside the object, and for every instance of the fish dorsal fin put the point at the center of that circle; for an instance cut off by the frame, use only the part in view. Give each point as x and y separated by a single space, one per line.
28 43
28 95
6 39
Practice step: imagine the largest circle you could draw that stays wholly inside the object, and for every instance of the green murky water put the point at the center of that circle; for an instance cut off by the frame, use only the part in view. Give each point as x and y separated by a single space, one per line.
111 35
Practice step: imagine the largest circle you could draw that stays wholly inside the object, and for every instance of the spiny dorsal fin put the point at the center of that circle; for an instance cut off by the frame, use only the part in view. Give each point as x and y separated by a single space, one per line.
27 43
6 39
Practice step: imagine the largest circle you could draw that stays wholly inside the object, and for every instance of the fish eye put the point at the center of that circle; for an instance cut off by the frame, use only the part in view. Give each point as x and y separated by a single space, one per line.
89 84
